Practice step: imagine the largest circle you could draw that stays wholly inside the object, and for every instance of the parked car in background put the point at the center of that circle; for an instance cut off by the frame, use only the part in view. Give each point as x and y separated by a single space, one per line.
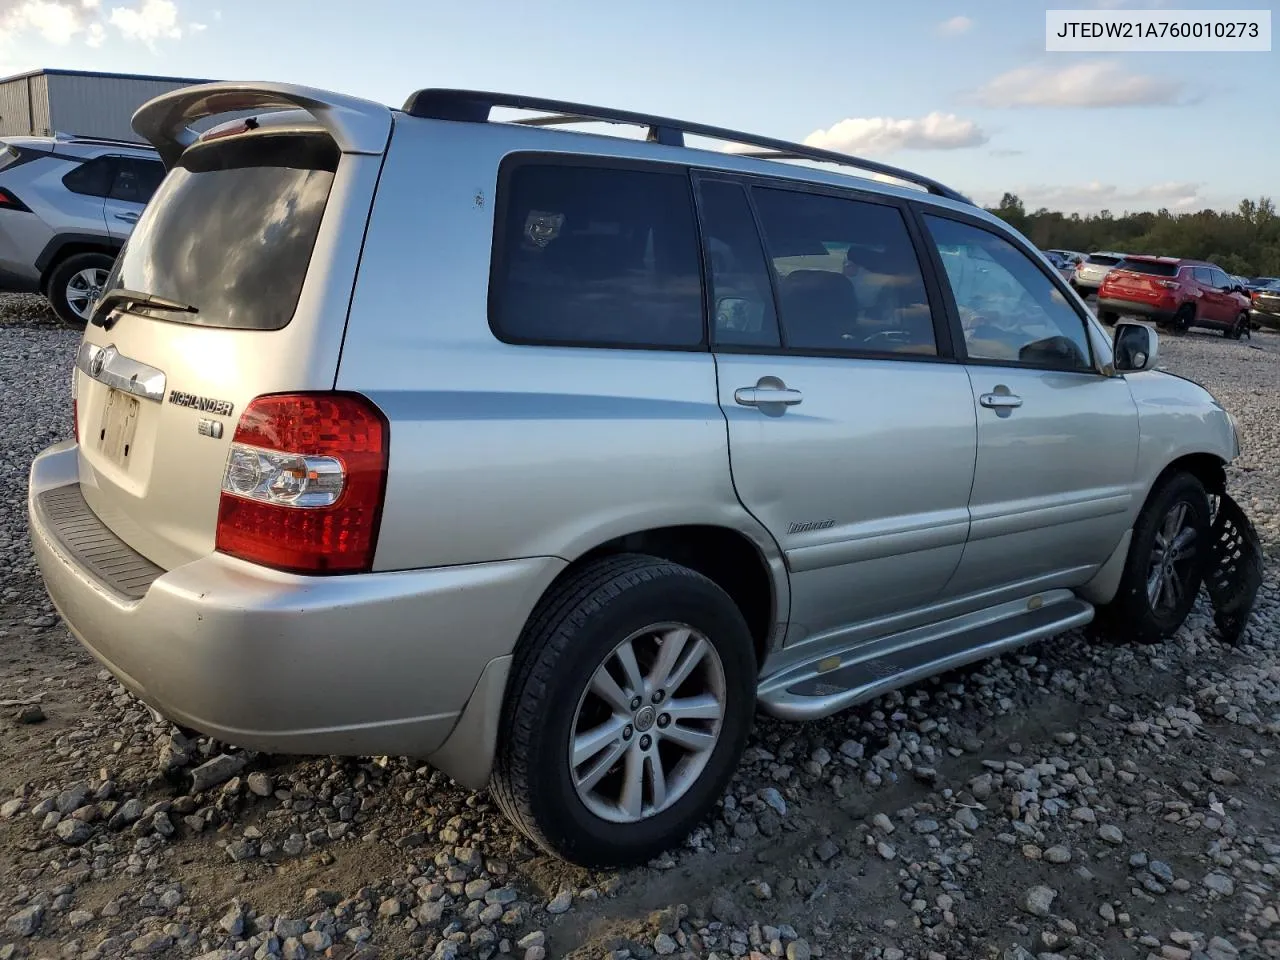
1063 265
1260 283
1264 306
299 517
1090 271
67 205
1177 293
1071 256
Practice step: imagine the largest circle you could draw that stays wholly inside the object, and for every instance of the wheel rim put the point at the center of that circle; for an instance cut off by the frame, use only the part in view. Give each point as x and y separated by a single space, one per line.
83 290
647 723
1172 559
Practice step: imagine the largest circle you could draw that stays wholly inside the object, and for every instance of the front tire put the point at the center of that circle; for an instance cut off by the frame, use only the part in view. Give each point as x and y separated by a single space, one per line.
1109 317
75 284
1239 328
1166 562
1184 318
630 702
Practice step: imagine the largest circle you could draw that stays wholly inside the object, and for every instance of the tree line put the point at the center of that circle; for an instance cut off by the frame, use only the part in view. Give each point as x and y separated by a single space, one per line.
1245 241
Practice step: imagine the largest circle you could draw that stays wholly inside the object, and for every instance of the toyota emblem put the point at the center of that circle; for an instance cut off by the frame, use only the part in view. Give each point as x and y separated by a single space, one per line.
99 361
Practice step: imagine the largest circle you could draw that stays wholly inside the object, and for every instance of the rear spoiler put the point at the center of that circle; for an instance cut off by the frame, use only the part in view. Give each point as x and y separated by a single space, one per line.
356 125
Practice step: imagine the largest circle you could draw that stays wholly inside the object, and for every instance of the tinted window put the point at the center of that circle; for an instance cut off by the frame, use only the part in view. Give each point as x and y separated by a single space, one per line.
1220 279
92 178
847 273
1009 309
1204 275
1150 267
231 230
1102 259
741 294
592 255
136 180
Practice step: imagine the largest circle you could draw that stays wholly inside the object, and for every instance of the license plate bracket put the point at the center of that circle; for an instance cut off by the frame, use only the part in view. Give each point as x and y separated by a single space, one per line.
119 422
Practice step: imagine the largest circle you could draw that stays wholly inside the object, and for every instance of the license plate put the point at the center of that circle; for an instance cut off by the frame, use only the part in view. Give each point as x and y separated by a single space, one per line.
119 421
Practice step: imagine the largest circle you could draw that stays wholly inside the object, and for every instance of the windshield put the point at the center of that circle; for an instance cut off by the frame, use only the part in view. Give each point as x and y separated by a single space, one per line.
1150 267
231 230
1102 259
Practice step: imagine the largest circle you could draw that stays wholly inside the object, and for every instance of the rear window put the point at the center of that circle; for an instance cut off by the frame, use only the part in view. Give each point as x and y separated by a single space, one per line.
1149 267
1101 259
596 256
231 230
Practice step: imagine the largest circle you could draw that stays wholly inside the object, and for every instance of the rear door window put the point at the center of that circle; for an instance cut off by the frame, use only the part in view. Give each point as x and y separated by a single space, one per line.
847 274
231 230
590 255
136 181
93 178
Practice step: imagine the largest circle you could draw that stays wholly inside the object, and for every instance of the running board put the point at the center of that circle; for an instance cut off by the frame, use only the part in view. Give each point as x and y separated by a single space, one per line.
843 678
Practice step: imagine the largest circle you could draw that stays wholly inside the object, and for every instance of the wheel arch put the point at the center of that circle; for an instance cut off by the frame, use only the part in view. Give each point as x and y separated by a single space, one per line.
68 245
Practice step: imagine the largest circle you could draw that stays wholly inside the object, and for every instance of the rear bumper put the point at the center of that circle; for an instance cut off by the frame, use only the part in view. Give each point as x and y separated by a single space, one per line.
1159 313
374 664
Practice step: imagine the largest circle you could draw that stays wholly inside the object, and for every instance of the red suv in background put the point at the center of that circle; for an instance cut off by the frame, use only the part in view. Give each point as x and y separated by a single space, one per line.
1173 292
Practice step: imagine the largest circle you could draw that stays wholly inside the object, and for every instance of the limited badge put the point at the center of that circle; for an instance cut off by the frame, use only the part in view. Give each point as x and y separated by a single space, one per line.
541 228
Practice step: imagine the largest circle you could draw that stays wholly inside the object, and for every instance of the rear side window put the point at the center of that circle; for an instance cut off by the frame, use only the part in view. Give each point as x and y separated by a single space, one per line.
1102 260
741 293
93 178
1149 267
597 256
847 273
1204 275
231 230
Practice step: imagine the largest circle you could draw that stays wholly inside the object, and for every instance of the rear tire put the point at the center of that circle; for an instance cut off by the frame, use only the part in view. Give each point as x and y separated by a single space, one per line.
74 285
1165 566
1183 319
570 648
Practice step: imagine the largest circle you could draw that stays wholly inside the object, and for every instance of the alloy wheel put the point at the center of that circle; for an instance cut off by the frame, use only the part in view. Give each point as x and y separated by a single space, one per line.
83 290
647 723
1172 565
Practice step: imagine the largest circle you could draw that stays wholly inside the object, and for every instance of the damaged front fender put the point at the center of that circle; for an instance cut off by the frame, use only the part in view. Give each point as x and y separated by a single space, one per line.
1234 569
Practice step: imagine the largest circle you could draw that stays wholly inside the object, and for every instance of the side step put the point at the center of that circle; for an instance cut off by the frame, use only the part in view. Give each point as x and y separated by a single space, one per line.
842 678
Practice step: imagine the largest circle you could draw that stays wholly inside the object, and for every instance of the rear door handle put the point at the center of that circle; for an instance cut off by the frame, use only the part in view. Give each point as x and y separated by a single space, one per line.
755 396
1000 401
127 217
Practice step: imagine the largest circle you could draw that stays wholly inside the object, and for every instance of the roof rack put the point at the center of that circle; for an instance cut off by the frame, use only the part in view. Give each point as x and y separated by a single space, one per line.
104 141
474 106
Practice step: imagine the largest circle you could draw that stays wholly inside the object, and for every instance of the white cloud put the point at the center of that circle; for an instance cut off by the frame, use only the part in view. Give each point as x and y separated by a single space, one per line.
1093 83
63 21
873 135
955 26
1176 195
150 21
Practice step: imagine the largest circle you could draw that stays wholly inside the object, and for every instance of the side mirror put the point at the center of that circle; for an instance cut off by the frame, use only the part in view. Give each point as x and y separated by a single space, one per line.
1136 347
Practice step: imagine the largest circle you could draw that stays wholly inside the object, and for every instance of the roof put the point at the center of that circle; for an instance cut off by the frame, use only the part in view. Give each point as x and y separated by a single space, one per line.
52 72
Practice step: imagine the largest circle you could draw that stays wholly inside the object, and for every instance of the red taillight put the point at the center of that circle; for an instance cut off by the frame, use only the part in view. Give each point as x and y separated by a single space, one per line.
303 485
9 202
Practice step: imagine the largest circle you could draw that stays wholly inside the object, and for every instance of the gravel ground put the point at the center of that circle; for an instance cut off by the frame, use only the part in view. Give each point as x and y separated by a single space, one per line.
1080 798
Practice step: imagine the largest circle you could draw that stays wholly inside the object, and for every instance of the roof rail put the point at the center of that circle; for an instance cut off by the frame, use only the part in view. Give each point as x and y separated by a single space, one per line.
103 141
474 106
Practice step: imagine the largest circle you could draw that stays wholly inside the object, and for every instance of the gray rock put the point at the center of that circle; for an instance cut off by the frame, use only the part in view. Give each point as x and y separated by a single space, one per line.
799 950
72 798
967 819
535 939
218 770
239 850
663 945
73 832
1220 884
827 850
560 903
852 749
316 940
79 918
1161 871
1038 901
924 825
1111 834
260 784
9 809
155 942
233 920
129 812
292 949
1058 854
773 798
25 922
886 851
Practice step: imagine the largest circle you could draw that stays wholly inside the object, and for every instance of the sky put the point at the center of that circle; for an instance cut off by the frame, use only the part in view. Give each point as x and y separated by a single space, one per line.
964 92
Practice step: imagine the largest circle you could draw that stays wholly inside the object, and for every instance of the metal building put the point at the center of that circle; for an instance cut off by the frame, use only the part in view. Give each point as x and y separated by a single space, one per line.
78 102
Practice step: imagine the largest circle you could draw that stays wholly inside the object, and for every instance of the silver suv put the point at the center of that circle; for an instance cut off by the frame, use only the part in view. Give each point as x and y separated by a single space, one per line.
67 205
1093 269
550 456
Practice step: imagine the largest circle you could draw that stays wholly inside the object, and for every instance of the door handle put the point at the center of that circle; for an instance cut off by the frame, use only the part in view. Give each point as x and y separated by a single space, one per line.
1000 401
127 217
755 396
